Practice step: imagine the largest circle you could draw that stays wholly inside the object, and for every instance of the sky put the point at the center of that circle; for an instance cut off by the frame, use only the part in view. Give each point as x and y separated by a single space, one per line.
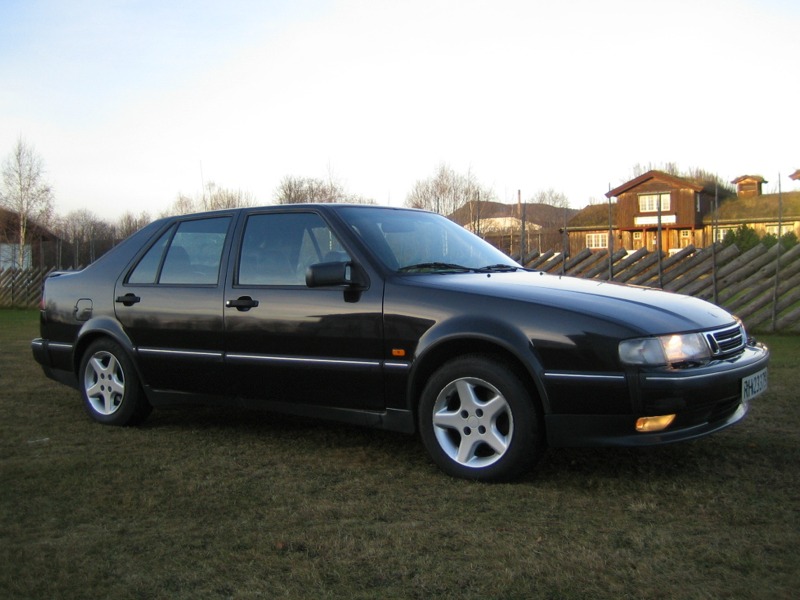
131 103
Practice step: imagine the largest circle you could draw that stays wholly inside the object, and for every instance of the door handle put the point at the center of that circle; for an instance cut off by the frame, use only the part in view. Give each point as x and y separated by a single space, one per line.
128 299
243 303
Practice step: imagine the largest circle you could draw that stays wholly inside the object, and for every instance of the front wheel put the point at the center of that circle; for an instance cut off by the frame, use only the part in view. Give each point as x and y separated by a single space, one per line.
111 392
478 421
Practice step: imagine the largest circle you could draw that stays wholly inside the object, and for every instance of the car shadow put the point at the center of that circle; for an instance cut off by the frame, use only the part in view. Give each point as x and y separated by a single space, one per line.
693 460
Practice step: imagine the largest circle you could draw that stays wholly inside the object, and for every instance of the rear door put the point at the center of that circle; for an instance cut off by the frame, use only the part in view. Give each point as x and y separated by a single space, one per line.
170 305
286 342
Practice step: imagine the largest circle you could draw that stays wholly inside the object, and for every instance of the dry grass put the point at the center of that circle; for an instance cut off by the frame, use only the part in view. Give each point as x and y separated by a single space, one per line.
234 504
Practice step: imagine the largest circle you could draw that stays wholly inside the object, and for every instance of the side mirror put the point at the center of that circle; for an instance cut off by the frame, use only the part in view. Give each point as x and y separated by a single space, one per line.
330 274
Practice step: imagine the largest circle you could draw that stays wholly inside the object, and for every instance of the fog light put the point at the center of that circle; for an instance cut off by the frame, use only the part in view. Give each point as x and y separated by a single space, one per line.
645 424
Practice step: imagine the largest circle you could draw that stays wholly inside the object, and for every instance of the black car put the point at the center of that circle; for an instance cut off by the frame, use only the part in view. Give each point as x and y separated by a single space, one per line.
391 318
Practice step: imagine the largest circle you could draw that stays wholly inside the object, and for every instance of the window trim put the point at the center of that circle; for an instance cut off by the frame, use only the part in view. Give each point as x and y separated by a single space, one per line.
645 201
597 241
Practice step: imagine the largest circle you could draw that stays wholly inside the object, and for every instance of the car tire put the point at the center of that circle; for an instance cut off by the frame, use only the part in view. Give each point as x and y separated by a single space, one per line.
110 388
478 420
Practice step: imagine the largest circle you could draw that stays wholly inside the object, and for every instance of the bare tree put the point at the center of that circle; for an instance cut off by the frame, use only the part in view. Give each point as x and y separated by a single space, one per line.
83 229
299 190
25 192
130 223
437 193
448 193
217 197
182 205
214 197
445 192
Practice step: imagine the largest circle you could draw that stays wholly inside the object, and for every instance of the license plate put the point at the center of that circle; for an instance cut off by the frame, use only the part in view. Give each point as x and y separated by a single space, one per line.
754 385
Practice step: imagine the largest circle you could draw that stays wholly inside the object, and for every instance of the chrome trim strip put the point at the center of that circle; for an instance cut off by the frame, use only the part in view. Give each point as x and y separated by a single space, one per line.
59 345
301 360
396 365
583 376
680 375
180 352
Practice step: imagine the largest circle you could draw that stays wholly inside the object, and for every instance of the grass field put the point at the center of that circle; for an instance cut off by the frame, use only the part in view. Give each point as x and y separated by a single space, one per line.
234 504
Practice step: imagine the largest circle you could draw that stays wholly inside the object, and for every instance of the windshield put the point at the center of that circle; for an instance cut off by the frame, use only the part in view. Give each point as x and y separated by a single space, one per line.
415 241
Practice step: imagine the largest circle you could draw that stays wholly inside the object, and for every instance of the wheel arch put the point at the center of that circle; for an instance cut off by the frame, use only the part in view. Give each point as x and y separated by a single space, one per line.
102 327
494 338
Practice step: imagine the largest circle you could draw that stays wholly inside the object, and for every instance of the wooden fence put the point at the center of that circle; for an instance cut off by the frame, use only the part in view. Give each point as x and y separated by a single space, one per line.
761 286
21 288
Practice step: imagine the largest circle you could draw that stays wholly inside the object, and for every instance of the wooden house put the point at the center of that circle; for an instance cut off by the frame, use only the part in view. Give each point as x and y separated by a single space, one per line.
659 202
37 245
683 210
748 186
767 214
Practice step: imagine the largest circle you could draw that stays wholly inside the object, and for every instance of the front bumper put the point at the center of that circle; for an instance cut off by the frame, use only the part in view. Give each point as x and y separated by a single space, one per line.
704 400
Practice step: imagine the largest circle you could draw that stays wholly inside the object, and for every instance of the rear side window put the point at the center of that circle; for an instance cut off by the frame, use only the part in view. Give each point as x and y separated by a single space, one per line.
189 253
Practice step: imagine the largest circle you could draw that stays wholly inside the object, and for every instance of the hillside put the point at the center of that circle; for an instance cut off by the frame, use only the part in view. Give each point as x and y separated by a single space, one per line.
545 215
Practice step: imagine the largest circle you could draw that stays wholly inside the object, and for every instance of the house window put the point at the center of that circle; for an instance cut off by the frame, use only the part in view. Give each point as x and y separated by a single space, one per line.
596 240
9 256
719 233
649 202
773 229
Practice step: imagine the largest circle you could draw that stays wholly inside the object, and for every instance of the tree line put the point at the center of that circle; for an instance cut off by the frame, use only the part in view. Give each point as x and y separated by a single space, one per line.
80 236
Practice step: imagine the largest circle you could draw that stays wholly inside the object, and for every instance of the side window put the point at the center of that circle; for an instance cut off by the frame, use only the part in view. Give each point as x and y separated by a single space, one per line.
278 248
147 269
188 254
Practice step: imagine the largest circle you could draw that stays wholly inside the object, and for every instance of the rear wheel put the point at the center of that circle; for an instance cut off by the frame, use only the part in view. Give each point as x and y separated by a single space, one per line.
478 421
110 388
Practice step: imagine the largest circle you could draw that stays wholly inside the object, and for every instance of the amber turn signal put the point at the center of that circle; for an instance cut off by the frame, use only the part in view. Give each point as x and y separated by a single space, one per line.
645 424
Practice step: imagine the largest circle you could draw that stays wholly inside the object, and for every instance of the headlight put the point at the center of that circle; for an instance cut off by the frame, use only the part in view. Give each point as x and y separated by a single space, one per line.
673 350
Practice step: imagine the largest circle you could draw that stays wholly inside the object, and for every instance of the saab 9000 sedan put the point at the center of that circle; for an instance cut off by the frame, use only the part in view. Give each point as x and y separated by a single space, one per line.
391 318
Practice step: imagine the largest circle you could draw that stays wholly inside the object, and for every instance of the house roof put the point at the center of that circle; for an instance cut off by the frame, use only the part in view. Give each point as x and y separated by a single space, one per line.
542 214
756 209
594 216
9 224
660 176
756 178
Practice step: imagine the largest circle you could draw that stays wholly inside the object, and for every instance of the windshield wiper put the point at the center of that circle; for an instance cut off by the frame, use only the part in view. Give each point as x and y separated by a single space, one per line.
500 267
434 267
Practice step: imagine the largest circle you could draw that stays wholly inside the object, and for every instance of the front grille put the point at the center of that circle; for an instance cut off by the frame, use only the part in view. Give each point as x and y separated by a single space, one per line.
725 342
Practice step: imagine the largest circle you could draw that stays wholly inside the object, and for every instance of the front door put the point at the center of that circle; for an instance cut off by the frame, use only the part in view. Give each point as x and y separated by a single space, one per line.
286 342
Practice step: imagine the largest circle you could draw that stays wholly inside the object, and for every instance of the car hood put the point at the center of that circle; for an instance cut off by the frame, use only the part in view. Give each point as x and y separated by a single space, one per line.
649 310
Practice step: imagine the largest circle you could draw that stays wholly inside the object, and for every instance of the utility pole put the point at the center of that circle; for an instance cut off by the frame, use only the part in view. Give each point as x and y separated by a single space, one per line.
714 234
777 259
658 244
523 247
610 239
